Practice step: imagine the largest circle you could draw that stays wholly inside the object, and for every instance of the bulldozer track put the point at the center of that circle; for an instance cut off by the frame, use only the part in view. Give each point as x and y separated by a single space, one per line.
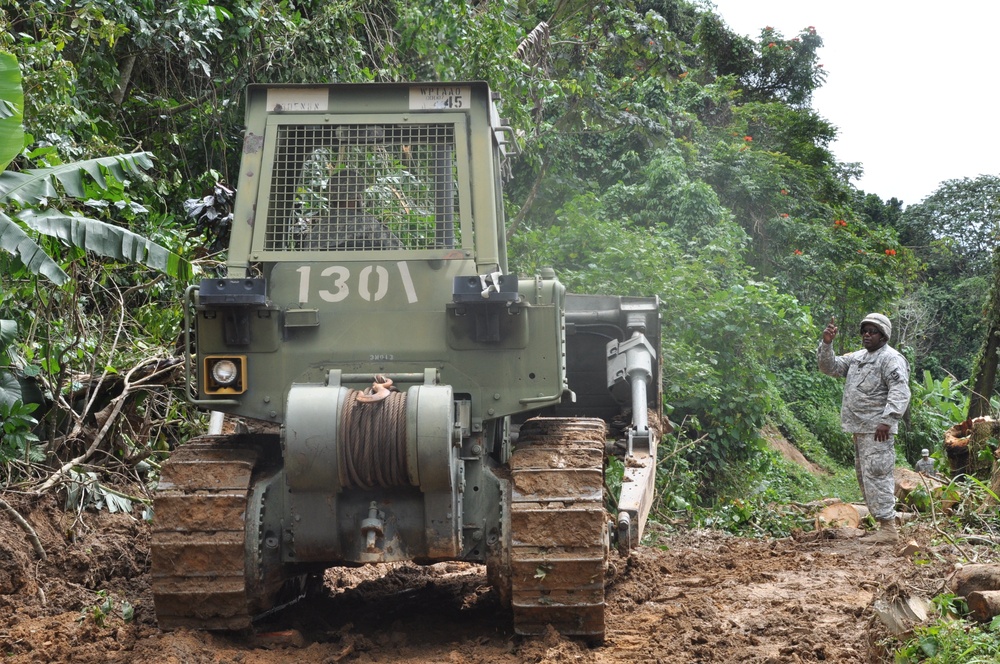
199 544
558 527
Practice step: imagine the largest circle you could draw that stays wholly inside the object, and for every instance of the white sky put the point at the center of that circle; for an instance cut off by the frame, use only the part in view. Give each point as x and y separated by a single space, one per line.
913 87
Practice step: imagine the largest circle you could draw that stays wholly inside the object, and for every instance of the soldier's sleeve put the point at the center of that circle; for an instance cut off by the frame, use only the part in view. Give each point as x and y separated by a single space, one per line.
828 362
896 374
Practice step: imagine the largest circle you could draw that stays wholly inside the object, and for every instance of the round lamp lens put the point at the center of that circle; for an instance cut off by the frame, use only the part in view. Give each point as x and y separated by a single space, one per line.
224 372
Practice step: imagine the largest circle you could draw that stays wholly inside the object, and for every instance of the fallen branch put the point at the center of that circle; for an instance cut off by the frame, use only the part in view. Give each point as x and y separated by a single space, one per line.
115 408
937 527
26 527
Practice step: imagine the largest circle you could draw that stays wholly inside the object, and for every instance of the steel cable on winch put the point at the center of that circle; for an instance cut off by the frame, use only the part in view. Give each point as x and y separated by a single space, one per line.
372 442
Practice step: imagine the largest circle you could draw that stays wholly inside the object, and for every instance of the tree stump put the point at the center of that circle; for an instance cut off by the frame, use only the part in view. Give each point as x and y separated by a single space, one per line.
956 447
964 444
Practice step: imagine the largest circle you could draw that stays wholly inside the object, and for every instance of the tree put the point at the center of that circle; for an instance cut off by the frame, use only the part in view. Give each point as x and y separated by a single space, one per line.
773 68
962 217
953 233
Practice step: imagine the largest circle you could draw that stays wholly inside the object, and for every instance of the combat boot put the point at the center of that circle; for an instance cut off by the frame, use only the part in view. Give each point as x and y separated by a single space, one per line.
886 533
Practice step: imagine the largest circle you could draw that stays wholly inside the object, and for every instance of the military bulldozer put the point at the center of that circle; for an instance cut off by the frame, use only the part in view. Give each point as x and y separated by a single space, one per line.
412 399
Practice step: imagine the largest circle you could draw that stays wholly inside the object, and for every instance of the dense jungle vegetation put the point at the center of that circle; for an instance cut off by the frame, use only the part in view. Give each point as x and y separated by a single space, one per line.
662 154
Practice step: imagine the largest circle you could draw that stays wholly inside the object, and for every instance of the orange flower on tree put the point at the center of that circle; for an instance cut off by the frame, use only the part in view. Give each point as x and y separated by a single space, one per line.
784 192
784 215
748 138
890 252
797 252
840 222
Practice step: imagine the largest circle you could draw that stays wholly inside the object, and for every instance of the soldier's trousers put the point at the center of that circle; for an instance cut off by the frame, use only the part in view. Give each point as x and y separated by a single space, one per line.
874 462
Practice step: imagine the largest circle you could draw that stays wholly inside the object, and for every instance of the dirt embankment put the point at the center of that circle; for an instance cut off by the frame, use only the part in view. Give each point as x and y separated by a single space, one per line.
695 597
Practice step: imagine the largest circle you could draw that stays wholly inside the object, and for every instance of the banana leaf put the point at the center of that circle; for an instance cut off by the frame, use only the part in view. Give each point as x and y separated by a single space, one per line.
11 105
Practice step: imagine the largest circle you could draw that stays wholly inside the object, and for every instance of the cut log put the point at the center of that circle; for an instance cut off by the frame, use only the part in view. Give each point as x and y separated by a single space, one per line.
984 604
838 515
917 489
850 515
974 578
907 480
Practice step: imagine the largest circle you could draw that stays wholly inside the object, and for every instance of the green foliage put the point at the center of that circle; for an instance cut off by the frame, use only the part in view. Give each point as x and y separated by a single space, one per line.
799 434
36 187
948 640
10 388
935 405
772 166
764 484
11 105
30 191
676 484
814 399
102 613
722 325
18 441
953 233
771 68
964 212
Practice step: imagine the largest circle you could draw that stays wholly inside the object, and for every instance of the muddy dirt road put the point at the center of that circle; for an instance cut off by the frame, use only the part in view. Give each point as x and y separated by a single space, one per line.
695 597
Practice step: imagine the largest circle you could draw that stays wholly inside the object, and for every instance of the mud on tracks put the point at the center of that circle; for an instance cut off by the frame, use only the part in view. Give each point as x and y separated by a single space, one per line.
697 596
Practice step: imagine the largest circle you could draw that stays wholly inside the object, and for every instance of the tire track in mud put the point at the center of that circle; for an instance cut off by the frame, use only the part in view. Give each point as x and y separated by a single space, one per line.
697 596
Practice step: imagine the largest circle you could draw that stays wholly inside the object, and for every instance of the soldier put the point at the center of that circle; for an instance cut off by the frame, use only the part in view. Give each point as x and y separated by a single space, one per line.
348 226
876 395
926 464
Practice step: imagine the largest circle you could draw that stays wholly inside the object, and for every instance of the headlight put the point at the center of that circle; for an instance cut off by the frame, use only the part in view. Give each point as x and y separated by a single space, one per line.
225 374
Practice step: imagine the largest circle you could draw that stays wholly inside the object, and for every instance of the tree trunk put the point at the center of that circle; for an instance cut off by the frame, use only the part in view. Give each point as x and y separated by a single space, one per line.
985 373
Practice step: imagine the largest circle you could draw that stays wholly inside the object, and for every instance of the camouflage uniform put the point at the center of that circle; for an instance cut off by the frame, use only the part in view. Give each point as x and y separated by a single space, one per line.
925 464
876 392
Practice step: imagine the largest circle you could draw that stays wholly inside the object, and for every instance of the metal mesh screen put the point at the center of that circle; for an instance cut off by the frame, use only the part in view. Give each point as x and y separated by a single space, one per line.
362 186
